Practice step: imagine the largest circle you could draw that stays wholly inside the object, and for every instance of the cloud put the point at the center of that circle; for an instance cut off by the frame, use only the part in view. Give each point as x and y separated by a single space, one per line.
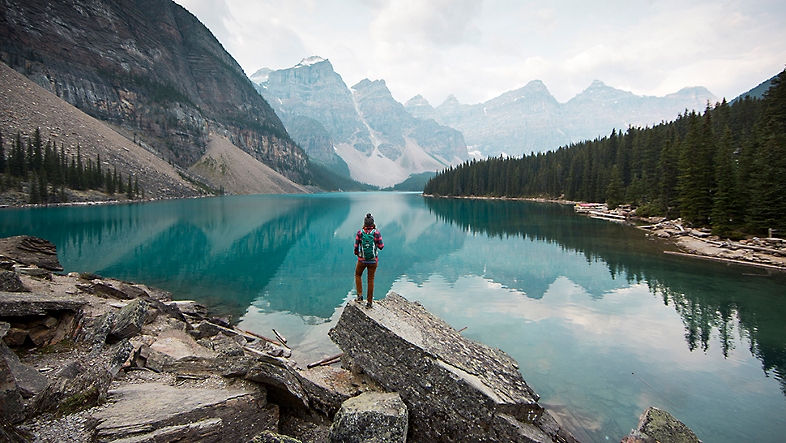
442 23
479 50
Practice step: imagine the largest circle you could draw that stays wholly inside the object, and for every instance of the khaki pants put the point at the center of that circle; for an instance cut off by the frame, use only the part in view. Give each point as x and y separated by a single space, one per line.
372 269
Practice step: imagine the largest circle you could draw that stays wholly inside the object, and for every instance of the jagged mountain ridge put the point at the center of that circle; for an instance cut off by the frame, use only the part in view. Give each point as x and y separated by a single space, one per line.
362 128
530 119
148 66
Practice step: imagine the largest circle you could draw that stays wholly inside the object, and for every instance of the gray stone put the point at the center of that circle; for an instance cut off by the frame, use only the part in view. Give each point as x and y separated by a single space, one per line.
371 417
28 380
153 412
114 289
20 304
192 308
455 388
328 387
228 346
99 331
10 282
11 403
4 328
31 251
283 382
129 320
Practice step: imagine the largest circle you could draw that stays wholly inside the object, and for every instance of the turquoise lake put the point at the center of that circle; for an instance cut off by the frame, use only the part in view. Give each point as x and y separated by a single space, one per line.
602 323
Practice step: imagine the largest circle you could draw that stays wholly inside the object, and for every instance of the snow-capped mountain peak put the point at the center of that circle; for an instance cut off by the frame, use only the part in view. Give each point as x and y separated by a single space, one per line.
308 61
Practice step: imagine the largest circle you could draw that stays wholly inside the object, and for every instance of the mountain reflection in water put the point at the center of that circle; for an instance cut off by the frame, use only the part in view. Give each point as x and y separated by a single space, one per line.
601 322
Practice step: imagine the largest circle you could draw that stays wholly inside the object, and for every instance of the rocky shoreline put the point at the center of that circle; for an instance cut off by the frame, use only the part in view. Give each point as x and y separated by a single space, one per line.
91 359
764 253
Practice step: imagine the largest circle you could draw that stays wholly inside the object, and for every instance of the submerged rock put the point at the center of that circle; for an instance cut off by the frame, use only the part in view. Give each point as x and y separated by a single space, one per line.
456 389
657 425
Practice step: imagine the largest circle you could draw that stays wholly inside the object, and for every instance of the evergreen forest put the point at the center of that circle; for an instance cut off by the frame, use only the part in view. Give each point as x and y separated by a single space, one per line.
44 172
723 169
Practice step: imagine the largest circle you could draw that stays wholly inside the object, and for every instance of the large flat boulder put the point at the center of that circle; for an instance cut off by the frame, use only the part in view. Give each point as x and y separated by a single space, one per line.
455 389
160 412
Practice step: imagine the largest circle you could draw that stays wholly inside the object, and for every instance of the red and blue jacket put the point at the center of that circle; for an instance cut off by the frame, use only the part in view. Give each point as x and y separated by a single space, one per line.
377 241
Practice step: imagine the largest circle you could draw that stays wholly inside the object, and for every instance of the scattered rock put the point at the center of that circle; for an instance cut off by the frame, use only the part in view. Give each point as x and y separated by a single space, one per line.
28 381
129 320
11 403
283 382
372 416
10 282
272 437
82 384
192 308
228 346
116 289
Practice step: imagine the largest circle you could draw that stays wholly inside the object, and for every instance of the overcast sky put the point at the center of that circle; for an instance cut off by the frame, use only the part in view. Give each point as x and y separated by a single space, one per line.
479 49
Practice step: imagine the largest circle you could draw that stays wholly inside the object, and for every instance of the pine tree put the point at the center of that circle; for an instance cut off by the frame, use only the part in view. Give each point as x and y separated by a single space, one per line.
110 183
43 192
768 178
34 197
614 190
724 210
129 189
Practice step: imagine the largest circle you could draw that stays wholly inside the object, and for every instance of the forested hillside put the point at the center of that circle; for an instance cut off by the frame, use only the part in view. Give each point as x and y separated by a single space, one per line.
725 168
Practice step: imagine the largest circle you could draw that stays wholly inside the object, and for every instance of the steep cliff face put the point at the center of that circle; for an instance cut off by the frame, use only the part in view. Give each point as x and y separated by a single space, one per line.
149 66
363 128
530 119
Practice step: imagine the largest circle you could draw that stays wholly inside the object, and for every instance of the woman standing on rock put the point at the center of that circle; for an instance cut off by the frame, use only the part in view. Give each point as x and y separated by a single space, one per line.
368 242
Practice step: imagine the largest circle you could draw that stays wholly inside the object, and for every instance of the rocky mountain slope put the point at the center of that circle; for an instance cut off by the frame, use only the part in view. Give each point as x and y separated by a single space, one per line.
233 171
530 119
363 130
150 67
26 106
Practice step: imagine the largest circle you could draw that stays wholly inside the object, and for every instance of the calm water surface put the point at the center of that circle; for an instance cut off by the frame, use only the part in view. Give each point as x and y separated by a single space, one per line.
601 322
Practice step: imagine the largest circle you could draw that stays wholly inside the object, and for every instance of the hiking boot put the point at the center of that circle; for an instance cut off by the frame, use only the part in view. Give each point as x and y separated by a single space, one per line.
368 304
359 299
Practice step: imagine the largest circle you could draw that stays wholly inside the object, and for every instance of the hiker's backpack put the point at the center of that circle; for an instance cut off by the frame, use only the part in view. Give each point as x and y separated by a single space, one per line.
368 247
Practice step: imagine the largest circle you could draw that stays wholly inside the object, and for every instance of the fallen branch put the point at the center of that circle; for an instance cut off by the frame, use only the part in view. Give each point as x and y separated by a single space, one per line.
248 334
325 361
255 351
462 329
279 336
262 337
